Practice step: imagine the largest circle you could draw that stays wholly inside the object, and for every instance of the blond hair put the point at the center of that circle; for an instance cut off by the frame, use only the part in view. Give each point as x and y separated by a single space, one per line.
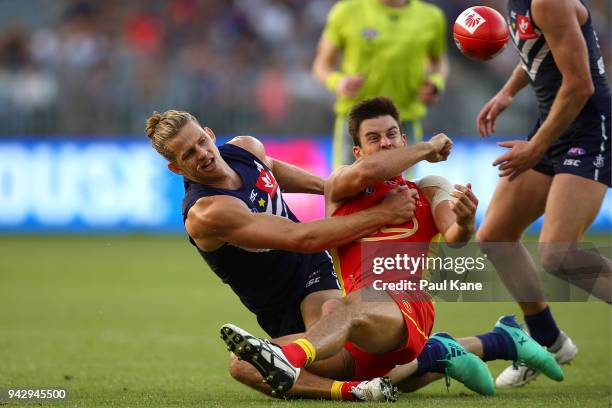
162 127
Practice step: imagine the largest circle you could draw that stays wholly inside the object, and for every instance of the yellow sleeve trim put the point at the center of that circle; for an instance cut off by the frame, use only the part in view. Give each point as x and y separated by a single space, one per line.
332 80
439 81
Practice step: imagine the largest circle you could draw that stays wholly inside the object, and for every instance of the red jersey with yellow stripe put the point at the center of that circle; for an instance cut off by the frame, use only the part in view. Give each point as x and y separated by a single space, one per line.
353 261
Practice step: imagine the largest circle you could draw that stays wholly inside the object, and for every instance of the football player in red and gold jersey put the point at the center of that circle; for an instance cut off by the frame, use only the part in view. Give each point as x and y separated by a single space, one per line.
376 327
441 210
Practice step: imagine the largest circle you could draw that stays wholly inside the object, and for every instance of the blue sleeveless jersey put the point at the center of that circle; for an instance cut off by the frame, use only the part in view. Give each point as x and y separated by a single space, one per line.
264 280
537 60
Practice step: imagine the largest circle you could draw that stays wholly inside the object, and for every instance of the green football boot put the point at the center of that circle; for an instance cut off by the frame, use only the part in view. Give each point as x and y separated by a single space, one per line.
463 366
528 351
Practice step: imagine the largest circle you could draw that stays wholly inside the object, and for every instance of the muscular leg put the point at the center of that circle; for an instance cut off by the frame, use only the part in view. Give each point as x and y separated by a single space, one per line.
494 345
340 366
565 225
514 206
315 382
402 375
312 305
374 324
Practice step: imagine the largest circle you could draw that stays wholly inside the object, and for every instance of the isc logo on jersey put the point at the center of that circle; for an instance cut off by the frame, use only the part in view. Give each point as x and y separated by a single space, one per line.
470 20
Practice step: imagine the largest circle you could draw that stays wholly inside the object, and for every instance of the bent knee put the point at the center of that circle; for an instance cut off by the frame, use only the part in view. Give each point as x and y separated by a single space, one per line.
486 235
330 306
549 262
351 309
357 312
558 260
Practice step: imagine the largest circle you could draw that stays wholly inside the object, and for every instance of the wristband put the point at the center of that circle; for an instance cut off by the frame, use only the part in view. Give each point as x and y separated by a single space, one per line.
438 81
332 80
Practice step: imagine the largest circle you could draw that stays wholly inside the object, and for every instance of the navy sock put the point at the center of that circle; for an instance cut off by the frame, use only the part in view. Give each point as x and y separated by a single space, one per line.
542 327
497 345
431 358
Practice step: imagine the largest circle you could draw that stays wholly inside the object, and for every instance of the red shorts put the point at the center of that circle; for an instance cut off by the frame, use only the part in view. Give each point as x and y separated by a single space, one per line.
419 320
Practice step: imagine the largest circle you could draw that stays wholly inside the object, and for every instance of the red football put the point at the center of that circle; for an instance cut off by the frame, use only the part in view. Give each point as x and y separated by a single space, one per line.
480 33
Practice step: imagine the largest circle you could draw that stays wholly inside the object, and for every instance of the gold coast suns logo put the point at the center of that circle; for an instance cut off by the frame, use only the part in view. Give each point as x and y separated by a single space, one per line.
393 233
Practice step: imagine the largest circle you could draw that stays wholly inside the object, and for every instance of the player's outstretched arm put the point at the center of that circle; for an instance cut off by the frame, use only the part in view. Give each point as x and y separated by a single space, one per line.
485 121
434 84
290 178
213 221
324 69
437 62
348 181
293 179
558 20
453 209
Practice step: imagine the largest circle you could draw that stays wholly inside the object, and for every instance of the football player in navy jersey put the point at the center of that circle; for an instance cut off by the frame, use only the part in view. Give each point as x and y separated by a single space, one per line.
236 217
562 170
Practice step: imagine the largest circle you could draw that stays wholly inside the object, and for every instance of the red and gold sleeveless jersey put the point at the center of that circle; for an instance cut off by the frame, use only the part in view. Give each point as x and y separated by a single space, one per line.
353 261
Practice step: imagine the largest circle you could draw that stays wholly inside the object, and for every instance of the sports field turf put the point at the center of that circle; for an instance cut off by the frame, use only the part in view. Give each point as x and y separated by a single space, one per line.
133 321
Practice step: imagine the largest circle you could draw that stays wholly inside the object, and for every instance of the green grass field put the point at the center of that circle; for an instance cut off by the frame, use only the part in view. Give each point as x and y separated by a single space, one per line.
133 321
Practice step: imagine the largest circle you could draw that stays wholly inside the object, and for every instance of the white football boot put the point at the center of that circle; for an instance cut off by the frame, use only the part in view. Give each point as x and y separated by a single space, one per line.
266 357
379 389
564 350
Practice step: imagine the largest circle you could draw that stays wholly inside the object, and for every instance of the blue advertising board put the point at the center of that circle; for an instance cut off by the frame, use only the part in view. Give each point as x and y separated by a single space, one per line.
122 185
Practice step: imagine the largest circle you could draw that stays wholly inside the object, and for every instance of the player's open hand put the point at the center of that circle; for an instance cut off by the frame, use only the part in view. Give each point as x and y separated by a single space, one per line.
428 93
464 205
400 203
521 157
485 121
442 146
349 85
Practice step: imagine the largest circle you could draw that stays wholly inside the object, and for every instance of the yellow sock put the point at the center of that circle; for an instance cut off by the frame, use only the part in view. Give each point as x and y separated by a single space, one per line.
336 390
309 350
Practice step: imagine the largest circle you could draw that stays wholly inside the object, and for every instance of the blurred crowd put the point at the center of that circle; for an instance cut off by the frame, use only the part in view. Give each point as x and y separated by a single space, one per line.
86 67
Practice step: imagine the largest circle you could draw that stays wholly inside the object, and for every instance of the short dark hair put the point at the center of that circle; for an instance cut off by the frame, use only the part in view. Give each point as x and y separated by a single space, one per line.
370 109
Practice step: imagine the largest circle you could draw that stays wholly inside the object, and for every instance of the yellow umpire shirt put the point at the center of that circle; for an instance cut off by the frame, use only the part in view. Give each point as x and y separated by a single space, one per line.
389 46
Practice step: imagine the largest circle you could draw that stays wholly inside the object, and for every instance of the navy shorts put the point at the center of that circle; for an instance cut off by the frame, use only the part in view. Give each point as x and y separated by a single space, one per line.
583 150
286 318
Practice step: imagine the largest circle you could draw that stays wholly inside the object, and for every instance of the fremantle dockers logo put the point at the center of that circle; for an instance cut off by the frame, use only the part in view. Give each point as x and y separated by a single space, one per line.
470 20
266 181
526 30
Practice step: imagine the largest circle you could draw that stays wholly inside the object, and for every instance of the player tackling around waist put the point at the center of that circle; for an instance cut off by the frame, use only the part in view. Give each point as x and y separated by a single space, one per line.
379 330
